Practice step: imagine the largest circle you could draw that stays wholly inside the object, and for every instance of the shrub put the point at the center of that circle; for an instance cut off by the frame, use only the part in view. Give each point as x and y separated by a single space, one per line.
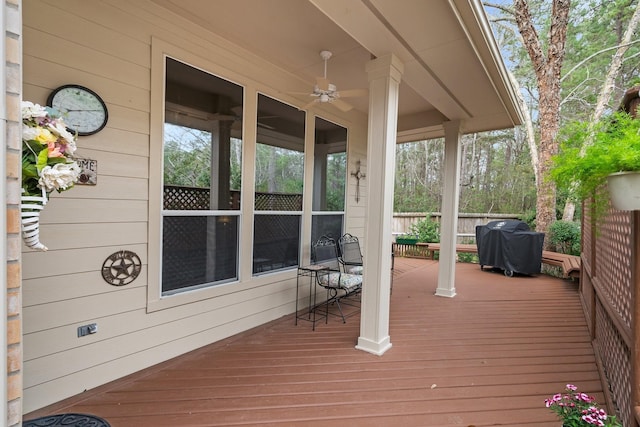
427 230
564 236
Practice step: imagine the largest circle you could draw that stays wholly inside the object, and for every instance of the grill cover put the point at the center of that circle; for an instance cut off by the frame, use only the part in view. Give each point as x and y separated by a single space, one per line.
510 246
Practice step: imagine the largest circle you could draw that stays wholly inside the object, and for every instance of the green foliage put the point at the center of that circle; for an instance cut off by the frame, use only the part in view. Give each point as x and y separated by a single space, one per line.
530 218
336 175
496 175
467 257
427 230
564 237
615 147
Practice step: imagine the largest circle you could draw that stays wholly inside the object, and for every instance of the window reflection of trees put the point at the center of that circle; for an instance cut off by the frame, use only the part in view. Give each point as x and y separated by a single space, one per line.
201 172
330 172
279 178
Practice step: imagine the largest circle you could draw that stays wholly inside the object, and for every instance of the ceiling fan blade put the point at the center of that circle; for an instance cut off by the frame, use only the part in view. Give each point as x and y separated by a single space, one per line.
353 93
344 106
322 83
300 93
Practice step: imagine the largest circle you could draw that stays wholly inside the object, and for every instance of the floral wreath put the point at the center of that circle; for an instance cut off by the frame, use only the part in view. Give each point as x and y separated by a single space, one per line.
47 164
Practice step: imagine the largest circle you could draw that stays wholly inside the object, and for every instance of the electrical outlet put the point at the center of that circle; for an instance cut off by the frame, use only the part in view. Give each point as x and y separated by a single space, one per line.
87 329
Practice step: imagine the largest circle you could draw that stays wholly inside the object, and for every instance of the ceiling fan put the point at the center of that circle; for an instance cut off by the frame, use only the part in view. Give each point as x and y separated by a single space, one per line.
324 91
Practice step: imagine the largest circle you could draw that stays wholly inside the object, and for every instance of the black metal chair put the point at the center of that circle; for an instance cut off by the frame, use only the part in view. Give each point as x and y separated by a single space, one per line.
339 285
349 254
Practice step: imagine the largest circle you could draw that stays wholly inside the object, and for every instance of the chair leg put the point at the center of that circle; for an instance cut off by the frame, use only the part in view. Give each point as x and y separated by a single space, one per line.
340 309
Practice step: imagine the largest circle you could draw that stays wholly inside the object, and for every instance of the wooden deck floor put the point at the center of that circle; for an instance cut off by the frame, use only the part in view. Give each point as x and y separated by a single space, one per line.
488 357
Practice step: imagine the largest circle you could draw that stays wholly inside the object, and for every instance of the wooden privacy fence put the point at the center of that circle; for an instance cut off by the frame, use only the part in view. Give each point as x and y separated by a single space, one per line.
466 228
609 286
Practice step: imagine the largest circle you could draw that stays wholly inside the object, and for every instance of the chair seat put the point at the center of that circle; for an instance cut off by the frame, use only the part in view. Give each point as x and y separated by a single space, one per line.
354 269
346 281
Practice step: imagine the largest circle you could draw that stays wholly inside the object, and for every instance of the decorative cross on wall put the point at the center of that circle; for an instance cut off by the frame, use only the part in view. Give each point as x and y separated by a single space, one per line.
358 176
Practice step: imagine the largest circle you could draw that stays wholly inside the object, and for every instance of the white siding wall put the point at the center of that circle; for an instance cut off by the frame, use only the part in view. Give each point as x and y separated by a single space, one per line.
106 46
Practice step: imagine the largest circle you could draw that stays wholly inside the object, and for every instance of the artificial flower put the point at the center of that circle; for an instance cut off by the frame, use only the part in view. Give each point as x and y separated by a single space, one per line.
47 151
60 176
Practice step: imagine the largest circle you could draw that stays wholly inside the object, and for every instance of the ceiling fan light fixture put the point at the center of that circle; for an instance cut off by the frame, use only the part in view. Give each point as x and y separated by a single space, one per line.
324 98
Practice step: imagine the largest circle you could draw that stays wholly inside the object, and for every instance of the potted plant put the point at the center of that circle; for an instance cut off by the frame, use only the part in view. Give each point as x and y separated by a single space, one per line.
406 239
611 158
577 409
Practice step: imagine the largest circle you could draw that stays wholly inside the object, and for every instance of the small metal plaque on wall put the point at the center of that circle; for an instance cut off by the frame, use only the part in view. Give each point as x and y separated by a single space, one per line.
121 268
89 173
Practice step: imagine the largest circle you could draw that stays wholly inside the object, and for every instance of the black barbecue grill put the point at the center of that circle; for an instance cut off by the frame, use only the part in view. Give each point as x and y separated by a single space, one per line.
510 246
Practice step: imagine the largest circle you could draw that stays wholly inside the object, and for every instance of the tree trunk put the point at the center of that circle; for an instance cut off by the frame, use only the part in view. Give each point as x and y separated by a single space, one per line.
547 69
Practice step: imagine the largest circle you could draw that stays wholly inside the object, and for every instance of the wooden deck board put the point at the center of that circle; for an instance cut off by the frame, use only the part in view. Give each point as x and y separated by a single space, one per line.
489 356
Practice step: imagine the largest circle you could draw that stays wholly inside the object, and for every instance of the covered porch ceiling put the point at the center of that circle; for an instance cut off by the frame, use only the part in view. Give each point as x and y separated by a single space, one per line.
453 69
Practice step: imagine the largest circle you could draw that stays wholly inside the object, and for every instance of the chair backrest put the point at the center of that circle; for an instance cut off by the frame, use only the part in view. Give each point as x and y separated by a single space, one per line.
349 250
325 252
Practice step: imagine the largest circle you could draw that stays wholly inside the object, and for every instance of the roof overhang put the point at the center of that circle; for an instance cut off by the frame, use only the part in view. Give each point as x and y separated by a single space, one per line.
452 65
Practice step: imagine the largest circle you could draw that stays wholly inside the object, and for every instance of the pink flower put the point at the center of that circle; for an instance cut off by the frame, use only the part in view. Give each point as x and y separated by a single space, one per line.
571 387
55 150
584 397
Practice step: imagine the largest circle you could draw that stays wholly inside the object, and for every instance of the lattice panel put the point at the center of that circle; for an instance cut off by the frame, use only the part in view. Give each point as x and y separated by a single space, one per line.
198 250
613 251
278 202
184 244
616 360
198 199
186 198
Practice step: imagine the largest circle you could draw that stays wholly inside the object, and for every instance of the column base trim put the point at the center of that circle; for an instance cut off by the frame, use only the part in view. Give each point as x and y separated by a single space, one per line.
449 293
377 348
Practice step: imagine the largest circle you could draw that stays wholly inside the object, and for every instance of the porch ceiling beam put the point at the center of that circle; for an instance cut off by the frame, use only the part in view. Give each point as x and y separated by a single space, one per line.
363 21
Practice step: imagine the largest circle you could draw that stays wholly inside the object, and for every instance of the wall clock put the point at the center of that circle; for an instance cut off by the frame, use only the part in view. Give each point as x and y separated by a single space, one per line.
83 110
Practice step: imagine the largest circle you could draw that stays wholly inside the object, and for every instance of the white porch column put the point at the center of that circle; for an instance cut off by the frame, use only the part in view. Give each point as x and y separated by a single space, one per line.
449 219
384 80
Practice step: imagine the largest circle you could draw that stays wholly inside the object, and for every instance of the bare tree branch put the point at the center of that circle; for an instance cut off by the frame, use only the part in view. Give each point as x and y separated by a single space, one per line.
501 7
588 58
616 64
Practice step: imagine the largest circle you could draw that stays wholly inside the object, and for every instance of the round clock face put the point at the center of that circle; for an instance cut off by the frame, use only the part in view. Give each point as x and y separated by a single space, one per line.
82 109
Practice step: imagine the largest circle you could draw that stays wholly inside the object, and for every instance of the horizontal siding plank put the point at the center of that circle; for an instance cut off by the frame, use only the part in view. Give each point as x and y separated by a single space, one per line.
109 187
77 236
115 164
43 80
104 39
116 141
54 263
105 13
85 58
44 290
65 209
71 312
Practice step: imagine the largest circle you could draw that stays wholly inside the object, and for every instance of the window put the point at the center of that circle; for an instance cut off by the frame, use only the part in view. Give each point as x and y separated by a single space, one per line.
278 185
201 174
329 174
